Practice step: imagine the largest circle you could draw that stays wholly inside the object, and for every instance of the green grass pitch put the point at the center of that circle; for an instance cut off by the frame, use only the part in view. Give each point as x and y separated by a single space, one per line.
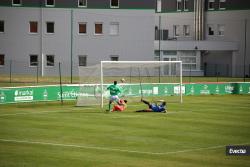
194 133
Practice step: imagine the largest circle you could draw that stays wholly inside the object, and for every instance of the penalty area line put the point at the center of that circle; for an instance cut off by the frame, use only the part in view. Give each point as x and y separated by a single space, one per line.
139 115
113 149
48 112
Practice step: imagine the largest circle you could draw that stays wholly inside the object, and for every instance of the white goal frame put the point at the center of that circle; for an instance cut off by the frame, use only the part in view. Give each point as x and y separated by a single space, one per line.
144 62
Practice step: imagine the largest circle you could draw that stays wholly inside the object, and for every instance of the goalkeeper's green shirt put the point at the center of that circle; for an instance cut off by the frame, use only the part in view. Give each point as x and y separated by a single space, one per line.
114 90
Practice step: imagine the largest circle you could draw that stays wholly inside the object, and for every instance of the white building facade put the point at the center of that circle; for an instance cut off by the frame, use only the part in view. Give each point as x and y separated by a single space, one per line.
210 37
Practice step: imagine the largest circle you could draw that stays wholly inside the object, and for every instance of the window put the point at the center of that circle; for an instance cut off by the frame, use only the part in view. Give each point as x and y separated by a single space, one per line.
98 28
82 3
114 3
156 33
189 66
178 5
210 4
33 60
170 52
158 7
185 5
50 60
114 58
222 4
82 60
157 53
1 59
163 33
50 2
1 26
176 30
50 27
114 28
210 30
16 2
33 27
189 60
186 30
82 28
221 29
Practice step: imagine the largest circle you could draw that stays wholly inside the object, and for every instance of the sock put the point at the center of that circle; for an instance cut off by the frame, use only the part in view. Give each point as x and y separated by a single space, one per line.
109 107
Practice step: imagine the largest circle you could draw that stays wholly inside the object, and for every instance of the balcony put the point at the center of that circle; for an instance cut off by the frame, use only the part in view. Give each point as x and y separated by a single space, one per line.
197 45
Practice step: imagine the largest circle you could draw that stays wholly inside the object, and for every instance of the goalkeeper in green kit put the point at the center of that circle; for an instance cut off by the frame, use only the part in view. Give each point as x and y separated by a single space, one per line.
114 91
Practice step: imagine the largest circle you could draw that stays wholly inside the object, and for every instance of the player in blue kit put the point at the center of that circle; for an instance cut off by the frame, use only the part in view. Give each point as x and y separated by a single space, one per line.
153 107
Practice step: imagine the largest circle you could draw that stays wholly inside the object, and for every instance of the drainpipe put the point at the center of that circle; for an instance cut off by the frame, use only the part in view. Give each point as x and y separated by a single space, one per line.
159 47
71 48
245 51
202 19
41 38
199 19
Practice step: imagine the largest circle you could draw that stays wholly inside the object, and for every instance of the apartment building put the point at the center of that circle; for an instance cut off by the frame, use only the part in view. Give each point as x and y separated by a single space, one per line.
35 35
211 37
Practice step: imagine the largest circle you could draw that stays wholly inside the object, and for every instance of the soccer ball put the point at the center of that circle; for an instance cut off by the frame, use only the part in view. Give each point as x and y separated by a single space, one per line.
122 80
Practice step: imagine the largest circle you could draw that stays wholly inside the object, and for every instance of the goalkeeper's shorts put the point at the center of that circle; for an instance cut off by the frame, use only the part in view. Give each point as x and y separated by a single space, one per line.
118 108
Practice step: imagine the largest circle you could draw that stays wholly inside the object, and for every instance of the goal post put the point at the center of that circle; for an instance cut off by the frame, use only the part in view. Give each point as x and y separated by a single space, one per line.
144 73
152 80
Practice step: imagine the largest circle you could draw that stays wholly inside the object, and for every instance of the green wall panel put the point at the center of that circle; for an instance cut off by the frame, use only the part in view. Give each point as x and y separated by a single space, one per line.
70 92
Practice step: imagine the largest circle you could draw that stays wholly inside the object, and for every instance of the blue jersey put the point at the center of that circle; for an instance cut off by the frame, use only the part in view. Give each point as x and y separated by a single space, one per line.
157 108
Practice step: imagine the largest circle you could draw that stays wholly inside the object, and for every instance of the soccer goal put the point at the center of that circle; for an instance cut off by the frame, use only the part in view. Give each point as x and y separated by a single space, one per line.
151 80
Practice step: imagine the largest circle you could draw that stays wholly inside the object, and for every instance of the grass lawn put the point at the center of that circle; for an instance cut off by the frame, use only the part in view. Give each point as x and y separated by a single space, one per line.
194 133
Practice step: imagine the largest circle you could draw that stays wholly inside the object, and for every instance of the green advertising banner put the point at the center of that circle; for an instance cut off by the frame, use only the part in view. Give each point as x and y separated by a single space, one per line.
152 89
32 94
209 89
217 89
71 92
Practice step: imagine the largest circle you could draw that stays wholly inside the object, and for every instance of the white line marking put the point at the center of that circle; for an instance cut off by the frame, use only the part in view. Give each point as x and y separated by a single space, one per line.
142 115
127 116
45 112
114 149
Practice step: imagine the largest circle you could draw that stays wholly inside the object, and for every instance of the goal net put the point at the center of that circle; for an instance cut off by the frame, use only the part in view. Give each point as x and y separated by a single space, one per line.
150 80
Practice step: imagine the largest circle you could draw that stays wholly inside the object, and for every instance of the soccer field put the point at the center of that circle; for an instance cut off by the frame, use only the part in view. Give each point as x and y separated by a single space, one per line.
194 133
